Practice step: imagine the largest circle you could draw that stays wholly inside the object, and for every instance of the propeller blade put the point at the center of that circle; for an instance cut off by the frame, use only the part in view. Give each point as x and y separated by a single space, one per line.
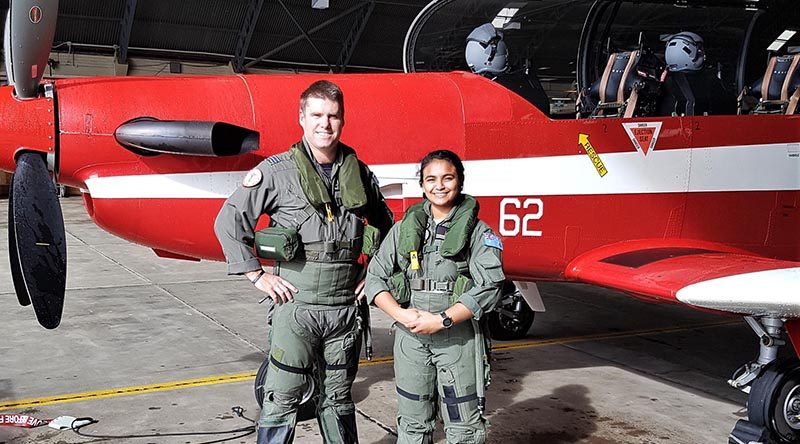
40 239
13 259
30 28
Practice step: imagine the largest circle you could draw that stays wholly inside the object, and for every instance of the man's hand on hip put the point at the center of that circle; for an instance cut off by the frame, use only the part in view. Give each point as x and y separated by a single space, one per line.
279 289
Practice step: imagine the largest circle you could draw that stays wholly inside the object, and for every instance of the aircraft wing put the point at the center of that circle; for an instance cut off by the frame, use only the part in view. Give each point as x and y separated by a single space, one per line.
701 274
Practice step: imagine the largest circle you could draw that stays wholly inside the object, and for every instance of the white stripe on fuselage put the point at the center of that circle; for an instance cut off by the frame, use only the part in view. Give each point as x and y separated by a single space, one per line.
762 293
739 168
211 185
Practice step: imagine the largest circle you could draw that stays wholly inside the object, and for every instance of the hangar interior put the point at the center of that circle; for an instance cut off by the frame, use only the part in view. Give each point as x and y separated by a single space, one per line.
603 331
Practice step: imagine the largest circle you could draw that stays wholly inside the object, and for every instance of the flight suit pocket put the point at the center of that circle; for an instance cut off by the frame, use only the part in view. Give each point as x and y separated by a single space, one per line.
494 274
302 324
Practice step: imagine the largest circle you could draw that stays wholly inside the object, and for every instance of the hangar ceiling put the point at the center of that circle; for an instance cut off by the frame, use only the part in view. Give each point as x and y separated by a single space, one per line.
123 37
347 36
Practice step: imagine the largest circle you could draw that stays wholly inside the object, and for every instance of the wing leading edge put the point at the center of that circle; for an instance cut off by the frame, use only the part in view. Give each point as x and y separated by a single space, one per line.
701 274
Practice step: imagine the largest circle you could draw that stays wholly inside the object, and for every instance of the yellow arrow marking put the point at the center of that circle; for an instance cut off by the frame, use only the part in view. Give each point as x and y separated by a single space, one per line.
583 140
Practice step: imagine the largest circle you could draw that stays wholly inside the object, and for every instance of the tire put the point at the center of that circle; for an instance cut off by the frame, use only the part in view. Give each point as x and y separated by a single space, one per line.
503 327
306 410
774 400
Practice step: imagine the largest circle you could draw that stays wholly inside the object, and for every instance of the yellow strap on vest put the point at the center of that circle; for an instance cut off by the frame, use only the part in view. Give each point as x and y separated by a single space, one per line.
414 257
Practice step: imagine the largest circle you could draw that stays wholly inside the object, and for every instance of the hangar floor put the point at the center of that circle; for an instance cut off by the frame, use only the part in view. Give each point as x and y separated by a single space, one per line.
151 345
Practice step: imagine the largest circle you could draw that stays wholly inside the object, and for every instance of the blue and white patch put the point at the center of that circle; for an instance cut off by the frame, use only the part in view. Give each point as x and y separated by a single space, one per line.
252 178
490 240
275 159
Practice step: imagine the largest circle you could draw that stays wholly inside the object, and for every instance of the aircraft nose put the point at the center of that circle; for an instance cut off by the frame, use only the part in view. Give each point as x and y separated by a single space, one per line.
25 125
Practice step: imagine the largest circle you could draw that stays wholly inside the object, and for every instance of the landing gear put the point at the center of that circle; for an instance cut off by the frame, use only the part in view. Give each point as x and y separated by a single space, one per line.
775 401
512 318
773 407
308 407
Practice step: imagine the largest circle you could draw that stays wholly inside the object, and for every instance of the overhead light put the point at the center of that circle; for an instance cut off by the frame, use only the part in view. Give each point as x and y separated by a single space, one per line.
320 4
781 40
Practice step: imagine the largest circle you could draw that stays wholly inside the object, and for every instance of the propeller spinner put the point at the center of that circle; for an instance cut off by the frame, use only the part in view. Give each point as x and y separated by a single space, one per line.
30 28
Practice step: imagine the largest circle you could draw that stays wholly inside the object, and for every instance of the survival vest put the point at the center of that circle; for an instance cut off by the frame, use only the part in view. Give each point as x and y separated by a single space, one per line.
456 239
354 195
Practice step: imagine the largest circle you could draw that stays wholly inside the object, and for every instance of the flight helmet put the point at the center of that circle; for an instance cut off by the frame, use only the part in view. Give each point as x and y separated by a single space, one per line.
684 52
486 52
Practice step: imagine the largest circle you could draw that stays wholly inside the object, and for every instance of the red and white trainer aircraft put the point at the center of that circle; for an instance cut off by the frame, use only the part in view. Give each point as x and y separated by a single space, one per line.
672 206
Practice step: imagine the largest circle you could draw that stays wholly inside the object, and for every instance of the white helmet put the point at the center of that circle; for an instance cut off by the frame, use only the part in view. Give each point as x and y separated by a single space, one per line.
684 52
486 51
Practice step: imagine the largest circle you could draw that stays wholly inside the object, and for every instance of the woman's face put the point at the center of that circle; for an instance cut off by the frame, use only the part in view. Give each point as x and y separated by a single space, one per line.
440 184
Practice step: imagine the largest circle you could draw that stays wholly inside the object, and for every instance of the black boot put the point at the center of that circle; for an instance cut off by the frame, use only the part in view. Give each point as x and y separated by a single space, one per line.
275 435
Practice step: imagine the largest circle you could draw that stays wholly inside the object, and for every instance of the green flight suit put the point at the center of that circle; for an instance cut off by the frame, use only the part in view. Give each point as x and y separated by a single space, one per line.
320 328
440 366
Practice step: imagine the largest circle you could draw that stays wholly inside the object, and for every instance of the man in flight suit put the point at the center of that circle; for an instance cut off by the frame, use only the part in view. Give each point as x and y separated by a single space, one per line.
320 189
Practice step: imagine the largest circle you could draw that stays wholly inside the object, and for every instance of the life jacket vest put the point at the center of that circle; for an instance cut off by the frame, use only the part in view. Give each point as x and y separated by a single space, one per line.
353 192
453 247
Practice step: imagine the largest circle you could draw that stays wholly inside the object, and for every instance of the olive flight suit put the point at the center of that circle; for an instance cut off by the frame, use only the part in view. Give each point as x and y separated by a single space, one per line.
320 328
440 367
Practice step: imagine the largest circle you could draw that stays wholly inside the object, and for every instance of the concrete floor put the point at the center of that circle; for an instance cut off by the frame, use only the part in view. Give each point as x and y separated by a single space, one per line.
150 345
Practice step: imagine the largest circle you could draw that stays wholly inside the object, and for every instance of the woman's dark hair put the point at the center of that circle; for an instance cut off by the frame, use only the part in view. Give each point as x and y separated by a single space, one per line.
443 155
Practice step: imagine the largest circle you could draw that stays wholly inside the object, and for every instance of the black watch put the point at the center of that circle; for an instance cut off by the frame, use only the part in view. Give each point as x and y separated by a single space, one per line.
447 321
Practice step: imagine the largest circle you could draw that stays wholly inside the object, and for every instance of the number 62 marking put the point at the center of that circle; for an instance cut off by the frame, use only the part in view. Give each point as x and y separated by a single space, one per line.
523 224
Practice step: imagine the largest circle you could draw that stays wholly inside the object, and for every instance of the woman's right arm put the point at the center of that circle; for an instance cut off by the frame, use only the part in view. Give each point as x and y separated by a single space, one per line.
380 270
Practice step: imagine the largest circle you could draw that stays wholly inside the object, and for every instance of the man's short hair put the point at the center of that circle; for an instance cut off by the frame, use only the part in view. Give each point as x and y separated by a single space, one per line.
323 89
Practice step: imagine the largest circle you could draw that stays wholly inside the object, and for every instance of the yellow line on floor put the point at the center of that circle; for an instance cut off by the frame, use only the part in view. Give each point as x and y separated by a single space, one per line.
239 377
124 391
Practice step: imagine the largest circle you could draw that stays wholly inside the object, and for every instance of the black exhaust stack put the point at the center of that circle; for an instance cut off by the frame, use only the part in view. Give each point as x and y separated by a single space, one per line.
147 136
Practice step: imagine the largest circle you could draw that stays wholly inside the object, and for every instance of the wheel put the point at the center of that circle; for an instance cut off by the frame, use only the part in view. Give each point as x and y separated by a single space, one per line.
774 400
511 320
306 411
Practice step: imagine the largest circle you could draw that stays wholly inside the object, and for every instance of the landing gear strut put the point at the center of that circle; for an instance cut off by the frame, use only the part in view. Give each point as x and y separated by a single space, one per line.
512 318
773 407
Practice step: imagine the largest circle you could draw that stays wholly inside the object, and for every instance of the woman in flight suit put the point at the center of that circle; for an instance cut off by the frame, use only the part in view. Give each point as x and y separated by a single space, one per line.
436 273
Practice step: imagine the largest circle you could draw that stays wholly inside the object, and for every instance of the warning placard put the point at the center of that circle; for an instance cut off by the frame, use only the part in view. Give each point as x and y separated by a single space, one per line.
643 135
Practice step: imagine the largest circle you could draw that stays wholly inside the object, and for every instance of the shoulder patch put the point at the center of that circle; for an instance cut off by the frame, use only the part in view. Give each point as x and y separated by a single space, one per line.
252 178
491 240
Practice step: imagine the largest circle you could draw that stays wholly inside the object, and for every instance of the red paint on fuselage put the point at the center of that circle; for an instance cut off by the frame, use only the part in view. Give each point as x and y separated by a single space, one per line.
26 125
393 119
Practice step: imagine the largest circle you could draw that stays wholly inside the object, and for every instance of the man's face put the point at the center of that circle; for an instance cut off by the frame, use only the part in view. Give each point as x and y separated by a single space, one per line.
322 123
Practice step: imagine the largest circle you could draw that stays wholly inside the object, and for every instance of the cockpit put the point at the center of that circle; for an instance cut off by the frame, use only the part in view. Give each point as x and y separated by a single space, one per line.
615 58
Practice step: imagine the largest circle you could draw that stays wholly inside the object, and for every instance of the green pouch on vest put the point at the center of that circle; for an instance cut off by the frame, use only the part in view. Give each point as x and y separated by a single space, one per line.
399 288
277 243
372 240
462 285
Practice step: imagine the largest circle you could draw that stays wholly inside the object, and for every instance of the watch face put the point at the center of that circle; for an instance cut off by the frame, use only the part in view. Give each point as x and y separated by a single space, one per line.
447 321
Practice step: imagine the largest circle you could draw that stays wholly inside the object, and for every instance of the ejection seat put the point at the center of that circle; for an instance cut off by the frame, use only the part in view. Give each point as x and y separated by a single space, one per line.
695 94
629 85
524 83
779 90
